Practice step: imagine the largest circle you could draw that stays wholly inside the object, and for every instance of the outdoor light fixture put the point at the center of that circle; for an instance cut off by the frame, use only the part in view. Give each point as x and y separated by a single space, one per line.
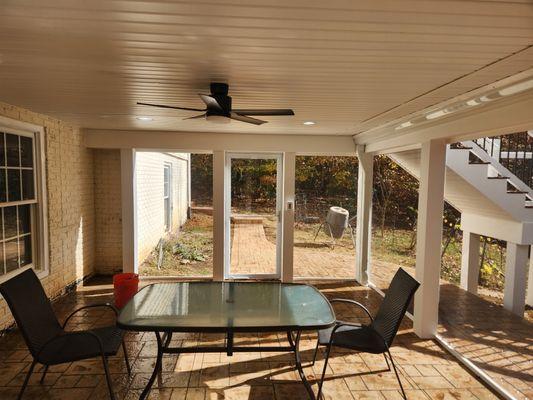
480 99
403 125
145 118
437 114
517 88
309 123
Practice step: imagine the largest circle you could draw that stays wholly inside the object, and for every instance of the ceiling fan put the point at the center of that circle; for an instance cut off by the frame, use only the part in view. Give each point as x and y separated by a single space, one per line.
218 104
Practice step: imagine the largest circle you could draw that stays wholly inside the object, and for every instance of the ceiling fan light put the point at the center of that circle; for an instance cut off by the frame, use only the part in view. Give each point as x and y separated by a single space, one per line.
143 118
309 123
218 119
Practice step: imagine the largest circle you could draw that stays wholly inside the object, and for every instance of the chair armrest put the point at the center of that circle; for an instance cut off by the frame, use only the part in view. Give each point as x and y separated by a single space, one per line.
108 305
356 303
341 324
67 335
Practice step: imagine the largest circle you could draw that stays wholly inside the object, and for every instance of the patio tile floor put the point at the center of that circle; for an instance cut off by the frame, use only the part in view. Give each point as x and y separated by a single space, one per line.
427 371
495 340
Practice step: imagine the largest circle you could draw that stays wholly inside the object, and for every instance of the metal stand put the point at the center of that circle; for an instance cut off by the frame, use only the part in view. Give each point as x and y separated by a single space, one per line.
163 348
333 241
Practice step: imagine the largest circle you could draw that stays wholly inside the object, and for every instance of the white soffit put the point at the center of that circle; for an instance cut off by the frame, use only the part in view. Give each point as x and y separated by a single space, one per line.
347 65
510 97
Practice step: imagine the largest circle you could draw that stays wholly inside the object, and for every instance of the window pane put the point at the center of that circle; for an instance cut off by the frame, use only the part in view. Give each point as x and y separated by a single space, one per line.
25 250
3 192
12 143
10 221
12 255
26 151
2 151
28 192
24 219
13 185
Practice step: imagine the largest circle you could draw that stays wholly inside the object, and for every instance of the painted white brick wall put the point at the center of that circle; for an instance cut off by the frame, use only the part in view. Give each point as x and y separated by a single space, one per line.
71 213
108 214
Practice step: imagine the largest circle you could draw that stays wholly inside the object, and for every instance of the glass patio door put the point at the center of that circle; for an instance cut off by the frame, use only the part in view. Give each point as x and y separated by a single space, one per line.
253 215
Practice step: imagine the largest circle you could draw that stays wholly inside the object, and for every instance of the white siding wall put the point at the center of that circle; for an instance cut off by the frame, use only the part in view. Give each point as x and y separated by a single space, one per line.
150 205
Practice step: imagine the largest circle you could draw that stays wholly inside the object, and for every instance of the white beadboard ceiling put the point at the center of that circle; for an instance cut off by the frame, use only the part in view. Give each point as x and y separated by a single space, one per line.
348 65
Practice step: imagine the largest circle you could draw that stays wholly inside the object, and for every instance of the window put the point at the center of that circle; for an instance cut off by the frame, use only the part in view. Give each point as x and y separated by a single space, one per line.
19 211
167 204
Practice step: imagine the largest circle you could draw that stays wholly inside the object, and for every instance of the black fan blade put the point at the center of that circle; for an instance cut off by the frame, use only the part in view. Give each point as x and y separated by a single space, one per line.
210 101
274 111
244 118
196 117
172 107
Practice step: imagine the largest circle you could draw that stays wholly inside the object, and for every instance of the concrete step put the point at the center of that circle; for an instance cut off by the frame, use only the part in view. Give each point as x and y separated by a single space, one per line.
246 219
202 210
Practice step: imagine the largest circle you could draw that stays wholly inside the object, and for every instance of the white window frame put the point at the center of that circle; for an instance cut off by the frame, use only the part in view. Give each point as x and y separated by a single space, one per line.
40 248
168 227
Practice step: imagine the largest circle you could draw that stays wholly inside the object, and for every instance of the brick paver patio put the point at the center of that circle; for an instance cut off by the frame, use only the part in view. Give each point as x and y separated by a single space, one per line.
426 369
253 253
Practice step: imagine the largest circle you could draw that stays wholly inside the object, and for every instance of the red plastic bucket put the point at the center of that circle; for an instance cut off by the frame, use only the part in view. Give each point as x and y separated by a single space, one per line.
124 287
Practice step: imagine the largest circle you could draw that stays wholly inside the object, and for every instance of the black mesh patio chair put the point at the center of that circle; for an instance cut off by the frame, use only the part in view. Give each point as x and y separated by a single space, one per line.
377 337
47 340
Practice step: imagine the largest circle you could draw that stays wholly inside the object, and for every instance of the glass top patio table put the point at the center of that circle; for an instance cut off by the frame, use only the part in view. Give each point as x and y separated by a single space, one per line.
226 307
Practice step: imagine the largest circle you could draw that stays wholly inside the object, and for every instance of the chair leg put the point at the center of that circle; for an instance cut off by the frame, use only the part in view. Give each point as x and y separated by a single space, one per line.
328 350
26 380
397 376
128 366
108 378
44 374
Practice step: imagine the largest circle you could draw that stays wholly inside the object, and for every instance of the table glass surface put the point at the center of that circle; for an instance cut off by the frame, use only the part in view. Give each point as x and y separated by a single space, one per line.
226 305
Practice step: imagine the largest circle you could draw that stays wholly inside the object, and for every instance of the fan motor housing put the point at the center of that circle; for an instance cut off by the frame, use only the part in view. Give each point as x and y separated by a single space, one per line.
225 103
218 88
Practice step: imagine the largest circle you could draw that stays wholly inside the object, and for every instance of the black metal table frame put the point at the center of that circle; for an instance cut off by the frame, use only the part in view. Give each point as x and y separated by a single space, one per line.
164 338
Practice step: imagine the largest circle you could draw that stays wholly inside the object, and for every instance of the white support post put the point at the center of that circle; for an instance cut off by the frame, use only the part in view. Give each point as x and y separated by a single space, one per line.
429 237
218 215
129 211
363 234
514 294
288 205
470 262
529 299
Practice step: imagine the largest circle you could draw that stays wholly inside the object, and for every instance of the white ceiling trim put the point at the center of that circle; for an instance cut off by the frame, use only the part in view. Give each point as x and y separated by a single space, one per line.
196 142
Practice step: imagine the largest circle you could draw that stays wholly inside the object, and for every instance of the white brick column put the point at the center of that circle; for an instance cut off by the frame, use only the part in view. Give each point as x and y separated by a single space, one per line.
130 262
470 262
529 299
514 294
363 235
219 209
429 237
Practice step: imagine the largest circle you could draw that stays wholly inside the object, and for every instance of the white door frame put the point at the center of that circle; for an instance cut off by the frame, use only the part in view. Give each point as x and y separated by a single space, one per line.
227 204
